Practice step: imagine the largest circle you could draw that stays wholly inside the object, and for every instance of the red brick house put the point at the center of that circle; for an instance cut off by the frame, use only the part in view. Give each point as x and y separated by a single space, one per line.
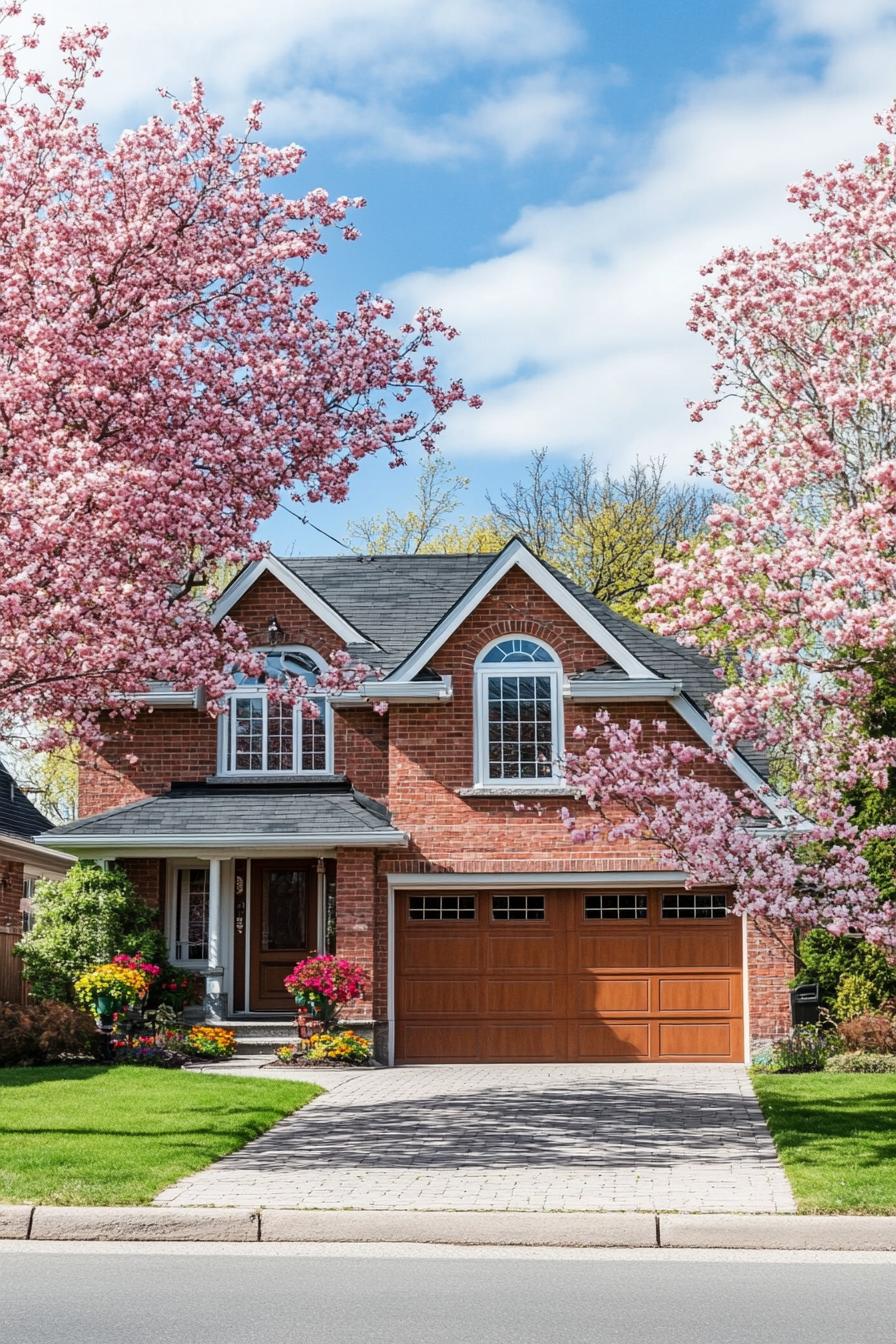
395 839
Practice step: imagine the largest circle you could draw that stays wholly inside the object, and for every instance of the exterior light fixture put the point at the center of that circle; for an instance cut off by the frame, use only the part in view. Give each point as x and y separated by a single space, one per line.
275 631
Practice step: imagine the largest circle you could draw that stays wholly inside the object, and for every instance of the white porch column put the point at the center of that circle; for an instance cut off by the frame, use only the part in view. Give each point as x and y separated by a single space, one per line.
215 1004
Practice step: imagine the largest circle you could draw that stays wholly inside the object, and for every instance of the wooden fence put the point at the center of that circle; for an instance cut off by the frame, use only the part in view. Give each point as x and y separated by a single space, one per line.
12 986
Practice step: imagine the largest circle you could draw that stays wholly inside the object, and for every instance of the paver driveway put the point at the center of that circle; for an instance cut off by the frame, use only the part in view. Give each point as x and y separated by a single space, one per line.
511 1136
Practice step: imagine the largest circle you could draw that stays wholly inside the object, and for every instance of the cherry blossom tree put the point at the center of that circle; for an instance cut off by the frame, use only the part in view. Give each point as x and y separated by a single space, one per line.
792 592
165 375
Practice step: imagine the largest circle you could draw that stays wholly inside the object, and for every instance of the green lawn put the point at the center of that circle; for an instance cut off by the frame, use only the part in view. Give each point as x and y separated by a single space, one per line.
97 1135
836 1135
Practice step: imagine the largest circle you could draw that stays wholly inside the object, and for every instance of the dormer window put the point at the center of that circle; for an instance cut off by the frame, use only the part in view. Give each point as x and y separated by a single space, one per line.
260 735
519 727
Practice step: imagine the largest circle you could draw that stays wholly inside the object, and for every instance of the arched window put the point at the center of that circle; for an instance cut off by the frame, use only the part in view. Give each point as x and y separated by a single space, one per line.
519 716
262 735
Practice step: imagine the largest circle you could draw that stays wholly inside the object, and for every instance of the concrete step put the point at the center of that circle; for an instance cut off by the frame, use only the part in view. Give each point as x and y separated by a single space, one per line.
261 1045
270 1028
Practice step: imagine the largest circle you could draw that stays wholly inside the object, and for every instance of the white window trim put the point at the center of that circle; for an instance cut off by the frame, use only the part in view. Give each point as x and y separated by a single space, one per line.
482 674
227 725
174 871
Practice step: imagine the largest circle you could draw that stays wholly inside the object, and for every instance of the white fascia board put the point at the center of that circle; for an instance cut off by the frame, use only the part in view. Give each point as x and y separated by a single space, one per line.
515 553
777 805
112 844
271 565
637 688
398 691
31 851
648 877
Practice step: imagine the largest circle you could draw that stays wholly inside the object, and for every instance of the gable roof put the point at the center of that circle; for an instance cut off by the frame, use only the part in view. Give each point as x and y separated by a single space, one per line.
18 815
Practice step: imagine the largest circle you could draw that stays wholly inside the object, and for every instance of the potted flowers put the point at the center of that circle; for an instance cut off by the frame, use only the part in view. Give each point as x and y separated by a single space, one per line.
109 988
321 985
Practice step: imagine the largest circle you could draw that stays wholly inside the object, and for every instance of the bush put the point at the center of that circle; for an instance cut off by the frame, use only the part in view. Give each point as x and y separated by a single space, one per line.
860 1061
827 959
856 997
341 1047
871 1032
41 1033
88 917
805 1050
210 1042
175 988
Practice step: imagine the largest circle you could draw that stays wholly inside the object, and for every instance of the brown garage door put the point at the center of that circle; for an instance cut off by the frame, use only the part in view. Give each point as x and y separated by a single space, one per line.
568 975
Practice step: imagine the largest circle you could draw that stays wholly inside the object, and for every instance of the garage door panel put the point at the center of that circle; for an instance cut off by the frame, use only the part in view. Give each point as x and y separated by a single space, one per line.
433 997
609 1040
611 994
696 1040
524 996
611 951
524 952
698 994
524 1041
696 947
446 1042
442 952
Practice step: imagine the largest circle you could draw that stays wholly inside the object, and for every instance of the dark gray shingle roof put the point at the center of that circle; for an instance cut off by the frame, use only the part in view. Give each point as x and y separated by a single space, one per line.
18 815
266 810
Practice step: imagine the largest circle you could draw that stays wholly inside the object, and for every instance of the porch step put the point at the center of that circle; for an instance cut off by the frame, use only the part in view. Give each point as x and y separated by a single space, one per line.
260 1035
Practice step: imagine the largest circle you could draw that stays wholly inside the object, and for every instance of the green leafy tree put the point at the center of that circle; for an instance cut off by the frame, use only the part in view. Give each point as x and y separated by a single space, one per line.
89 916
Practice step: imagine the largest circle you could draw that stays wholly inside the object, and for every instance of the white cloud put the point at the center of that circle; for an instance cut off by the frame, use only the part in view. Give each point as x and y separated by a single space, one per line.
352 69
575 331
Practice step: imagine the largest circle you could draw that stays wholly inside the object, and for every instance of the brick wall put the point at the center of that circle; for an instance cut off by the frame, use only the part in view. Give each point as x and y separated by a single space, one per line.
168 744
148 876
771 962
357 916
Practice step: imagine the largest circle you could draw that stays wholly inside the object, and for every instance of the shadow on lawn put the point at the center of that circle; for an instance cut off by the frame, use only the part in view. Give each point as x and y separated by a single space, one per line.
27 1075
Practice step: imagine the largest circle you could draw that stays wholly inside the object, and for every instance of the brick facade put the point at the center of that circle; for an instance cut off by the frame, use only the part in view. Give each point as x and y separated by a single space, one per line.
419 760
12 886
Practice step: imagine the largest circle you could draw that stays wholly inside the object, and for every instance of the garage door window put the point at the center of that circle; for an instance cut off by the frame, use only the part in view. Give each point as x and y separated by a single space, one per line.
442 907
616 905
517 907
694 905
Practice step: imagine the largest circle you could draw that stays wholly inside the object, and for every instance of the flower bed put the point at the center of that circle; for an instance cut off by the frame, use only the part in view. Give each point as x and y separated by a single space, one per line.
327 1049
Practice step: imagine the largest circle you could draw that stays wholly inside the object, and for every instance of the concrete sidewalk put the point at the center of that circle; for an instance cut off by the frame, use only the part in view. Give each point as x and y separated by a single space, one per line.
24 1222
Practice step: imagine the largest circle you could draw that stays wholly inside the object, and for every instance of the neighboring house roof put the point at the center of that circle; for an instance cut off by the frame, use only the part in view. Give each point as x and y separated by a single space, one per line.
18 815
242 815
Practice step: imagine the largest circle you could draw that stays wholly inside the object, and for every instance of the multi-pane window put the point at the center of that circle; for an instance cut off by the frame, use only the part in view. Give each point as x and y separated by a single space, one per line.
26 905
694 905
616 905
191 914
517 906
518 708
262 735
442 906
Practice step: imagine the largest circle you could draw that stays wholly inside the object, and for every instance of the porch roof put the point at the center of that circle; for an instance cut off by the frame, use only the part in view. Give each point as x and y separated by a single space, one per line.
234 816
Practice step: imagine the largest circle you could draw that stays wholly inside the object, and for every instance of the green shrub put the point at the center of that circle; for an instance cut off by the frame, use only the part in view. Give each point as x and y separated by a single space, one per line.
88 917
856 997
873 1032
827 959
803 1051
860 1061
41 1033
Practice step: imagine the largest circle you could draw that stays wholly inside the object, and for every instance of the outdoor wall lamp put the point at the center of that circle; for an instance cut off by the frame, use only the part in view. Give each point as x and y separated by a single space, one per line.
275 631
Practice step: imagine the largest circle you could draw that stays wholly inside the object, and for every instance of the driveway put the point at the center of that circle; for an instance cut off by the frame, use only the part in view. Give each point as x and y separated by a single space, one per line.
511 1136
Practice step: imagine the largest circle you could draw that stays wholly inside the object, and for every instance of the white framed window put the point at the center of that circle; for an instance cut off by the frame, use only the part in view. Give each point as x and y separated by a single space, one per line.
260 735
518 714
189 915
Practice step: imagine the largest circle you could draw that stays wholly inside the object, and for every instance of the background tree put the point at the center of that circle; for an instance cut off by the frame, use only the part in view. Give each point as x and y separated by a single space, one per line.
606 532
165 376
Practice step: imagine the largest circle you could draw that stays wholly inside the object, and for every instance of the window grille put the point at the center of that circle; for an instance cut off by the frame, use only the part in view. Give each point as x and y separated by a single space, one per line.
694 905
191 915
616 905
517 906
442 906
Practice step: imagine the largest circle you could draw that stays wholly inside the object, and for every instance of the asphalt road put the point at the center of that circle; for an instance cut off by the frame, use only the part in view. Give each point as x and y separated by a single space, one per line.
366 1295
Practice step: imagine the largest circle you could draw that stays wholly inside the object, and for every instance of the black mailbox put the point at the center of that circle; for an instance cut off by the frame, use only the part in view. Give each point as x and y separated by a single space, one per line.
805 1003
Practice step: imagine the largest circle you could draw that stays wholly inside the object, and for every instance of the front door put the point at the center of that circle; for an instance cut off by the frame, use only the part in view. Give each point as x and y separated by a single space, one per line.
283 928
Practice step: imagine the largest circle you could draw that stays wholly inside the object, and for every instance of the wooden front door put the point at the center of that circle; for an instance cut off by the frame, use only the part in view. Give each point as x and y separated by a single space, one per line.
283 928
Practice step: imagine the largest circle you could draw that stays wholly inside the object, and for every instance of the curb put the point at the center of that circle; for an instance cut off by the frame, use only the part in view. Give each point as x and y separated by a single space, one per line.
756 1231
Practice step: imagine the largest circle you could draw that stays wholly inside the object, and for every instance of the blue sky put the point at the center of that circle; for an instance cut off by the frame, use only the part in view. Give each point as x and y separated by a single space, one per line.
551 172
